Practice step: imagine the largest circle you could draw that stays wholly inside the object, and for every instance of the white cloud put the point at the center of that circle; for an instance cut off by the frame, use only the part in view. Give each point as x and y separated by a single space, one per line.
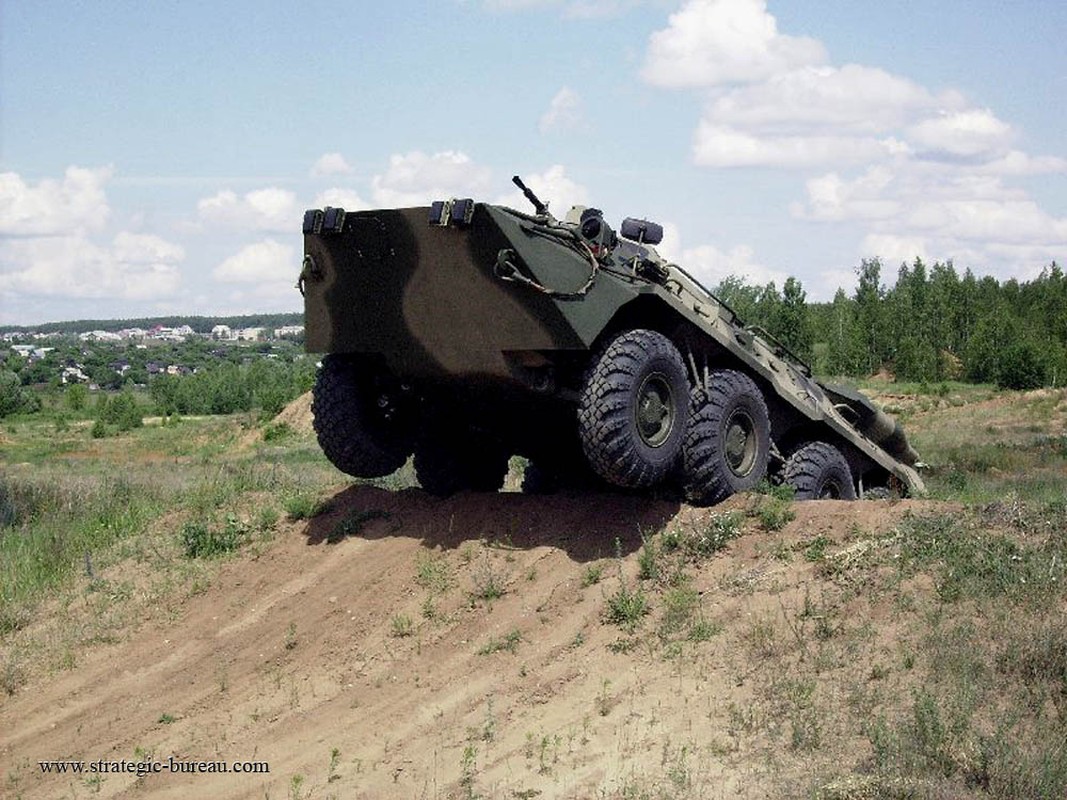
553 186
1016 162
723 146
51 208
263 262
832 198
341 198
938 212
907 171
974 134
565 112
710 264
851 98
134 267
271 209
330 164
723 42
416 179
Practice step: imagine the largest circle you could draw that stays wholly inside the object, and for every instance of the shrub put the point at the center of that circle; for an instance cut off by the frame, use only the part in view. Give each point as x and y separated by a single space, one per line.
1021 367
203 541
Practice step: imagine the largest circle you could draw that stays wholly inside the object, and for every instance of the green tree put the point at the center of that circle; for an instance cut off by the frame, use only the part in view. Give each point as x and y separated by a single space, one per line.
14 397
77 396
794 322
871 315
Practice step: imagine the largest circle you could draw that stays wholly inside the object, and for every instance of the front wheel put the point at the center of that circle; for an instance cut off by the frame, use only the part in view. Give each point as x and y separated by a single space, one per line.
729 439
632 409
818 471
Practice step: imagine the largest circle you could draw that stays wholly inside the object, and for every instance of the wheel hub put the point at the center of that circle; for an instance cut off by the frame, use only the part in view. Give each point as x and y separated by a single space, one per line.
740 443
654 412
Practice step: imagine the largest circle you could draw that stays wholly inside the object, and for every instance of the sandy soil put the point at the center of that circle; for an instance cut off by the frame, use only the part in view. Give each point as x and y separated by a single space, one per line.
378 664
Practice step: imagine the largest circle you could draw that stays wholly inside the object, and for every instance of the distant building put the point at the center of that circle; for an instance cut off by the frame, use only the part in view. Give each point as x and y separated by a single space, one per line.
99 336
222 333
288 330
73 374
251 334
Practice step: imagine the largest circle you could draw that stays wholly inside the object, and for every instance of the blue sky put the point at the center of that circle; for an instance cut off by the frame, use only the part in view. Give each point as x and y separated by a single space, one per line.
157 157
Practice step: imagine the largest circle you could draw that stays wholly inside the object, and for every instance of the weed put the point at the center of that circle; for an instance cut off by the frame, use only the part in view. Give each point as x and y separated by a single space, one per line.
762 638
592 575
304 506
707 539
679 604
816 549
604 701
166 719
335 760
402 625
290 637
12 676
548 755
509 642
774 513
432 573
267 519
296 782
201 540
624 645
353 523
467 771
429 609
648 567
702 630
488 583
626 608
277 431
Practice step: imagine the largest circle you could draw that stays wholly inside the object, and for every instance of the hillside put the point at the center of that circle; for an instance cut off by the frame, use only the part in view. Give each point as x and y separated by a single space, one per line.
606 645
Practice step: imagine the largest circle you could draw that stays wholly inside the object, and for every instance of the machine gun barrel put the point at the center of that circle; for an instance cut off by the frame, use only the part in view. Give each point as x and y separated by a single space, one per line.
539 207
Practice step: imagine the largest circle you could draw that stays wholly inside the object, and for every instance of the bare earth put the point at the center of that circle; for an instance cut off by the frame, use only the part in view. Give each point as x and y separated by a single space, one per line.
376 667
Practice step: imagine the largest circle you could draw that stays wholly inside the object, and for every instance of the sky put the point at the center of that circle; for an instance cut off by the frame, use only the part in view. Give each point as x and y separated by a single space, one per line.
156 158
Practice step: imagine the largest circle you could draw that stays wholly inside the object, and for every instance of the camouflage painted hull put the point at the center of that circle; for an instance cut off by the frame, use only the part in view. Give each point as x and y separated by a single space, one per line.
504 309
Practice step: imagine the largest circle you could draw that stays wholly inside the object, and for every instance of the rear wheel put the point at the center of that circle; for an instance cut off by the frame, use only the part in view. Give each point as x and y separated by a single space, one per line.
818 471
453 461
632 409
360 417
728 441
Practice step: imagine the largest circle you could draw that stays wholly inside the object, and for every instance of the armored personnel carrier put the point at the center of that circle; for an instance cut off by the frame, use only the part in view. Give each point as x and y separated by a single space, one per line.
464 332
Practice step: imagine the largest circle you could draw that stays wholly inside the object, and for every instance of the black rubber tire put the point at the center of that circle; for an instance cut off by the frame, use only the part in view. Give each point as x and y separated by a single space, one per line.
728 441
549 477
447 464
633 408
818 471
353 431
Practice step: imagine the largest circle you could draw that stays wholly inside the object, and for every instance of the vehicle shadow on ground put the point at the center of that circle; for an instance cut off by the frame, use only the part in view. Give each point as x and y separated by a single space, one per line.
588 526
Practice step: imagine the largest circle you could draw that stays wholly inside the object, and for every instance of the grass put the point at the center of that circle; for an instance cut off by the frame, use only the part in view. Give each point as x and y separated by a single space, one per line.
70 505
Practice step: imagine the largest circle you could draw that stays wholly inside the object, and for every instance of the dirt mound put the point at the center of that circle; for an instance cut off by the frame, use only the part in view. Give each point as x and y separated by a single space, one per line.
297 415
405 646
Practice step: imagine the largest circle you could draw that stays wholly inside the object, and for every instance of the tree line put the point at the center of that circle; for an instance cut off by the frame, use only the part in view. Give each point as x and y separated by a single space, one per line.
933 324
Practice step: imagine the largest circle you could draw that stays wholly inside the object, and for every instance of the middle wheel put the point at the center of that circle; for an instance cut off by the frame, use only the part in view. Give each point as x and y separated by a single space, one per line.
632 410
729 438
456 459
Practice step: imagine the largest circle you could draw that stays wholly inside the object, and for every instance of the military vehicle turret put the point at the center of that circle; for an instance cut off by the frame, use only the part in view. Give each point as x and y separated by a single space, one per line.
463 332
